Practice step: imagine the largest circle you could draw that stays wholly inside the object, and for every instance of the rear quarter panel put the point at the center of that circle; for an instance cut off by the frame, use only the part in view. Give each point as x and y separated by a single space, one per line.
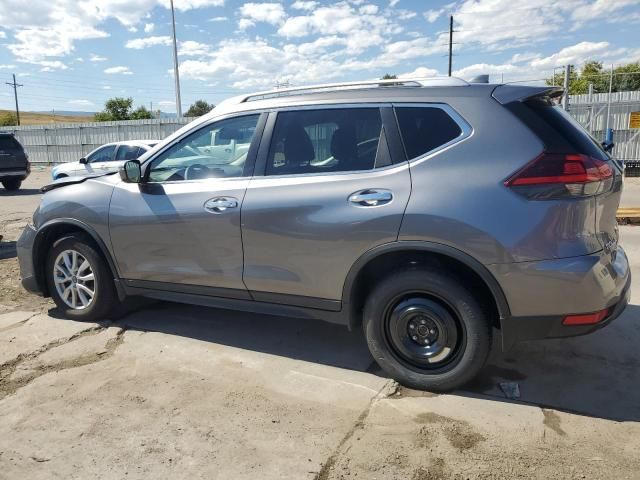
458 197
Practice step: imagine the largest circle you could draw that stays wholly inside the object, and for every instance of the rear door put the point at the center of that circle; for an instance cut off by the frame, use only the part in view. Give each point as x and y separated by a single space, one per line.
330 192
12 156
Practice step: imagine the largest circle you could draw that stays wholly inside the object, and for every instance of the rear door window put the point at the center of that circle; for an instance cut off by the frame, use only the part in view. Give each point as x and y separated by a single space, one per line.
424 129
324 140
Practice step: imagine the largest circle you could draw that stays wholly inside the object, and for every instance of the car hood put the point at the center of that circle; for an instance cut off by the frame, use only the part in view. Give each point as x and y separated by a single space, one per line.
63 182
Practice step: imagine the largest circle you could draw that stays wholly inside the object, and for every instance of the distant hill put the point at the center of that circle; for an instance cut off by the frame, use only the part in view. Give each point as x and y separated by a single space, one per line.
68 113
42 118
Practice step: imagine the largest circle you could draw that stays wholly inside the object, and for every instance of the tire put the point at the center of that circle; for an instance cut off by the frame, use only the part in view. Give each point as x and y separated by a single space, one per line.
12 185
423 302
104 300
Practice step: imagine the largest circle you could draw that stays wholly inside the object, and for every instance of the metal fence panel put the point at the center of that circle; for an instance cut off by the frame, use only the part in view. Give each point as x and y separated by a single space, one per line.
595 113
67 142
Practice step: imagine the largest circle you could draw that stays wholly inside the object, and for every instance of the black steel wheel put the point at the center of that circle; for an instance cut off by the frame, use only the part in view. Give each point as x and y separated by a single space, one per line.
426 330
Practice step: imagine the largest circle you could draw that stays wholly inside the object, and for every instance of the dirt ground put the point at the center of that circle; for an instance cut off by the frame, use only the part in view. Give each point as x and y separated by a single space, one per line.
176 391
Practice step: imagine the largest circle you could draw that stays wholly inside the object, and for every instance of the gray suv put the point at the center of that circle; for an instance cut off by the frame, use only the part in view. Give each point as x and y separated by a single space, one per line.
435 215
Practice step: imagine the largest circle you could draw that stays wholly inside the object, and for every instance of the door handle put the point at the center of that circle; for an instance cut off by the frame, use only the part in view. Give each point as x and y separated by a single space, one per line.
220 204
371 197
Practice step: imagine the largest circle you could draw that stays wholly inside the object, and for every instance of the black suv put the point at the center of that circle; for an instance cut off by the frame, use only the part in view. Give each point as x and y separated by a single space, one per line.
14 162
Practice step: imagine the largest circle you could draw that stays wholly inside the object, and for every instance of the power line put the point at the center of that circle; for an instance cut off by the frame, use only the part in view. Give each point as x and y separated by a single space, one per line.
15 94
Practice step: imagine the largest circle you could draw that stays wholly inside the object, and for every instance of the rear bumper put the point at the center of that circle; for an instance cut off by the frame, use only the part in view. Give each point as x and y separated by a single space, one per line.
541 294
15 174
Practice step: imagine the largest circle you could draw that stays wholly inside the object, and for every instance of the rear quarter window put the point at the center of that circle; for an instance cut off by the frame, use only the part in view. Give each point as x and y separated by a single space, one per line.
9 143
424 129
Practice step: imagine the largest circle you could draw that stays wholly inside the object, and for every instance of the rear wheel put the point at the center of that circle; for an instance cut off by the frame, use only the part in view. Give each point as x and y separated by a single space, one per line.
426 330
11 185
79 279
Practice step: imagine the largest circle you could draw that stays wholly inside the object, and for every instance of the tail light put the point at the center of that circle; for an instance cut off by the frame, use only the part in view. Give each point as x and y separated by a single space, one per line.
558 175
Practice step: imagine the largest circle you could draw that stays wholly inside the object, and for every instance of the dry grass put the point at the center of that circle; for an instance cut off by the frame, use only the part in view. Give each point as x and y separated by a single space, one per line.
30 118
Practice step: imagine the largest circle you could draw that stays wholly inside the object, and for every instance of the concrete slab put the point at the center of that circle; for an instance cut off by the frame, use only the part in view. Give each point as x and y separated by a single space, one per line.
36 333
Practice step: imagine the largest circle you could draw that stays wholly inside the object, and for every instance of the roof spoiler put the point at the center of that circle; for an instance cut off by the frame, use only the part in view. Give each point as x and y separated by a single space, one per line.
519 93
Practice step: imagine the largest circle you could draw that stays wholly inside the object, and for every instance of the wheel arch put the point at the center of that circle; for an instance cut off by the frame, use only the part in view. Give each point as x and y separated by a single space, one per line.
384 258
54 229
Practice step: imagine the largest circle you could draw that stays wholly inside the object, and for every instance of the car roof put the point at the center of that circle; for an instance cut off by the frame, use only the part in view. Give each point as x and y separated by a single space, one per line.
135 143
382 91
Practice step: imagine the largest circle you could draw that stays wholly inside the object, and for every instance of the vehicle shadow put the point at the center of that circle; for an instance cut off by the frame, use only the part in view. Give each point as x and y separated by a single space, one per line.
19 193
7 250
596 375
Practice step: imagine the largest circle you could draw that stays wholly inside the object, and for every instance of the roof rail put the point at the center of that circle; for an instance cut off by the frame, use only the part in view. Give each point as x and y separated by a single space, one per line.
400 82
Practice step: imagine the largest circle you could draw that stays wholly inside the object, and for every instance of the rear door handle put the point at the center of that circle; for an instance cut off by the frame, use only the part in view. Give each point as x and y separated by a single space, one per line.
220 204
371 197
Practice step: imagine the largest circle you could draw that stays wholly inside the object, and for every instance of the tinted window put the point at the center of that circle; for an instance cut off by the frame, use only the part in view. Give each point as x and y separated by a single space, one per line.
201 154
128 152
104 154
333 140
559 131
425 128
8 143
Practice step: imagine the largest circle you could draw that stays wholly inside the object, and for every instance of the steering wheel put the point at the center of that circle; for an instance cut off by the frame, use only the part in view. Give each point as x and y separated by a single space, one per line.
196 171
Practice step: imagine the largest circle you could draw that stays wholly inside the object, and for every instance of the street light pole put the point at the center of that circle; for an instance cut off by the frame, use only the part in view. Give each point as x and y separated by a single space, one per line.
176 73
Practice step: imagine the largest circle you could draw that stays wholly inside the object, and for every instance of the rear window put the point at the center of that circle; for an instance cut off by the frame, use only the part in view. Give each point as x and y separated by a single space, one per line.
558 130
425 128
8 143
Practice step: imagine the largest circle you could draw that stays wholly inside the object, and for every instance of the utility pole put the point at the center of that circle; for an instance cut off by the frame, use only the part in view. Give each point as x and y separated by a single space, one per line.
450 43
565 97
15 86
606 129
176 74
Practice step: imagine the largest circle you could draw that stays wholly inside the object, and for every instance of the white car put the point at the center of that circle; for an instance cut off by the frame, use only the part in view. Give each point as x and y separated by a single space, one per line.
104 159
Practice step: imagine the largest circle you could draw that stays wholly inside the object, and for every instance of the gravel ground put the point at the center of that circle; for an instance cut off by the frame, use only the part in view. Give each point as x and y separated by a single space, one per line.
189 392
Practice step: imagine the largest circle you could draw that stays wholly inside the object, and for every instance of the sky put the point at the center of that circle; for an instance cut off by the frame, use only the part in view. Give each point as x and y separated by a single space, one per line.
74 55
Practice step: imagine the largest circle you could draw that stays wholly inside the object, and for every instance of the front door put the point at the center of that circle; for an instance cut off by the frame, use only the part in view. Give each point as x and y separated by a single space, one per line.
182 225
330 192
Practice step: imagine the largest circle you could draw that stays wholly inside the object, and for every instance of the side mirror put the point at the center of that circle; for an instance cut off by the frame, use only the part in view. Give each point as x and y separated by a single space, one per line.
83 160
608 146
131 172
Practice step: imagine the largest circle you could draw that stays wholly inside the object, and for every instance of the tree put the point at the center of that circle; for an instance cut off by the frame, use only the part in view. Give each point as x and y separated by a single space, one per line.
625 78
8 119
141 113
199 108
120 108
389 76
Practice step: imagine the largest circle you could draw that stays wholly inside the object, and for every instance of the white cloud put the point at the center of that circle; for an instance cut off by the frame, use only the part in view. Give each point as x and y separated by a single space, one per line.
7 67
304 5
393 3
599 9
190 48
218 19
50 28
118 70
420 72
97 58
81 103
574 54
140 43
106 87
3 34
148 27
432 15
368 9
252 13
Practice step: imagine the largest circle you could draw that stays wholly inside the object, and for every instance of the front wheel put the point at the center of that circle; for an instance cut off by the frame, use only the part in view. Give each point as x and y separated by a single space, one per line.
79 279
12 185
426 330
